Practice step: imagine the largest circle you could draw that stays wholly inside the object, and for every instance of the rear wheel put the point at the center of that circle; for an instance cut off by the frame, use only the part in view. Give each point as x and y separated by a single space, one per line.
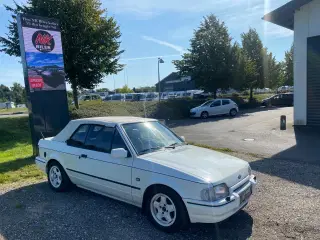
233 112
58 178
166 210
204 115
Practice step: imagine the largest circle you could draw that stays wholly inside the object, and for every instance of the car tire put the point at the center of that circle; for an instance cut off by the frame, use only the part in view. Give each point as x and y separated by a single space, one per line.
233 112
204 115
57 178
166 210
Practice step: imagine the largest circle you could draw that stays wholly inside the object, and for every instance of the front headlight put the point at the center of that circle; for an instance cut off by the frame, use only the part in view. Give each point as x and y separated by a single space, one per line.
215 193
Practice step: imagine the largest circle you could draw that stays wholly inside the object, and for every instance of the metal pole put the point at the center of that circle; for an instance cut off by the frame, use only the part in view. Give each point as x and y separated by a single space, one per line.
159 79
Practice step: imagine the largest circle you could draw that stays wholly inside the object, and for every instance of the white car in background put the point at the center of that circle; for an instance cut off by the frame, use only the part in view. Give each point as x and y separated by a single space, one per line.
142 162
215 107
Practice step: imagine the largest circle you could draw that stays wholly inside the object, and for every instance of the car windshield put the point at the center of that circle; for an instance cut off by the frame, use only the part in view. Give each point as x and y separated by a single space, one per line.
207 103
148 137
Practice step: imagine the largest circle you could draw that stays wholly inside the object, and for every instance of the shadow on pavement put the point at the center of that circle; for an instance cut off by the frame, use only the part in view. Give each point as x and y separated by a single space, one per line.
304 159
36 212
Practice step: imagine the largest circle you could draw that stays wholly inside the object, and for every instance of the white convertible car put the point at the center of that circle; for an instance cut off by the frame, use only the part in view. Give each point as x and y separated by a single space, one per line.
142 162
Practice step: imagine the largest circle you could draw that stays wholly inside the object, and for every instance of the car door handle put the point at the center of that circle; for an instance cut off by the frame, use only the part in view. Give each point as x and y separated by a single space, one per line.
83 156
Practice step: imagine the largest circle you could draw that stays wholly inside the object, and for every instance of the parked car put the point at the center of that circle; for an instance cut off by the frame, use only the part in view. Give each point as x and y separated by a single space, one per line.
142 96
88 97
215 107
284 99
108 98
202 95
129 97
142 162
152 96
103 95
118 97
164 96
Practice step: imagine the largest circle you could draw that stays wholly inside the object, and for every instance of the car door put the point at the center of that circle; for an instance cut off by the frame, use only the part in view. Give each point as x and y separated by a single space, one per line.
98 170
215 108
226 106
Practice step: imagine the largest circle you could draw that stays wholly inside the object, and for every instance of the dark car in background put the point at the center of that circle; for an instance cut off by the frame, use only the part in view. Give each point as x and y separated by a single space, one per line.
279 100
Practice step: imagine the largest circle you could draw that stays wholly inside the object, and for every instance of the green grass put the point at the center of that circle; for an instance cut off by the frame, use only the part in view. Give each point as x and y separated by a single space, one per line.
13 110
16 161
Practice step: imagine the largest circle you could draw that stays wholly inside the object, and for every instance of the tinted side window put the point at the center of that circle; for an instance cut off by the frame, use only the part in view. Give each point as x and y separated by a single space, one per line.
79 136
99 138
225 102
216 103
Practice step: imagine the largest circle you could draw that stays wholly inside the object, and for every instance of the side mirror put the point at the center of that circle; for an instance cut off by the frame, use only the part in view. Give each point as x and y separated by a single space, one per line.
119 153
183 138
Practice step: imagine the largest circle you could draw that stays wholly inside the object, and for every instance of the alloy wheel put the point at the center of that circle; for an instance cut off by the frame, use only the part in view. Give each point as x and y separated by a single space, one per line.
55 176
163 210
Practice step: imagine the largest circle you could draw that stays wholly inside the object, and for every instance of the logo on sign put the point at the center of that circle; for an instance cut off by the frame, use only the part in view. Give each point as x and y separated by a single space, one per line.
43 41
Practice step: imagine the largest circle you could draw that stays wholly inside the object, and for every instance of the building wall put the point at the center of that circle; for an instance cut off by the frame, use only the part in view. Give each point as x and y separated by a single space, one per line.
306 24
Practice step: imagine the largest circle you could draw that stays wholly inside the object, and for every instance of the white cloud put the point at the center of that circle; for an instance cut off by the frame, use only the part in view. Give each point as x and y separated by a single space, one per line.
164 43
275 31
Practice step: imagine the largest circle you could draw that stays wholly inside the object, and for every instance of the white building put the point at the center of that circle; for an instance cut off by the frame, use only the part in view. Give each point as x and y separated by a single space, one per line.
7 105
303 16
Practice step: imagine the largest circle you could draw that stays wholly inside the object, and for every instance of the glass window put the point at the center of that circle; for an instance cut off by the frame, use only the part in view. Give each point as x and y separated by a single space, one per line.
99 138
118 141
79 136
216 103
150 136
207 103
225 102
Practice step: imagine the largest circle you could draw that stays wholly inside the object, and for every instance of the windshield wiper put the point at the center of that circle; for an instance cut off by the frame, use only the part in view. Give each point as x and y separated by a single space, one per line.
150 149
173 145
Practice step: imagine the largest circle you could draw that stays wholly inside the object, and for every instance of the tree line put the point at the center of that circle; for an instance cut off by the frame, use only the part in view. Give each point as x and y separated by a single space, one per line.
215 61
15 94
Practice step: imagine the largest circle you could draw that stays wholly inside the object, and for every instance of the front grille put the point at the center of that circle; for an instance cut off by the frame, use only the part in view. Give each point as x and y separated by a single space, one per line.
242 185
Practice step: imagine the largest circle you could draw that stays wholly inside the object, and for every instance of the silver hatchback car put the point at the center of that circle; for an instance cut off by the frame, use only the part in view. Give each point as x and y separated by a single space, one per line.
215 107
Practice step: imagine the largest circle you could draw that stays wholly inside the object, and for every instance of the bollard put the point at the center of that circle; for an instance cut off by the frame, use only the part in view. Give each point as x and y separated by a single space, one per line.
283 122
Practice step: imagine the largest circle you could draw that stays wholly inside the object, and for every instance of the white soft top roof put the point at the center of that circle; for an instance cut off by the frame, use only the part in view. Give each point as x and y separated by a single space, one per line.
107 121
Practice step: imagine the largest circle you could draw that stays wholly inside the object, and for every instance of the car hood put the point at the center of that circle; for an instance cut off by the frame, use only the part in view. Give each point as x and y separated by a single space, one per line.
196 108
205 164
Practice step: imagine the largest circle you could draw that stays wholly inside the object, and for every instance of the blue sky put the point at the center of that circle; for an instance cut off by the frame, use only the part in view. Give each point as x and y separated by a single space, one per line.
152 28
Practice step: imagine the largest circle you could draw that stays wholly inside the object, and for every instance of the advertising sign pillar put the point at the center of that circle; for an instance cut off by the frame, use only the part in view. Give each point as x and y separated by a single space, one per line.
44 76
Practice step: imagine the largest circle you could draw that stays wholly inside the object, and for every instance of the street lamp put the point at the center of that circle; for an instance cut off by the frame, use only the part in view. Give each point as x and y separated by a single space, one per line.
160 60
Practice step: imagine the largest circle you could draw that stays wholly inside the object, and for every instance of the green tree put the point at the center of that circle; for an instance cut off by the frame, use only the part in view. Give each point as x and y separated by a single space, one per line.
18 93
253 53
144 89
124 89
209 60
102 90
90 39
288 67
5 93
273 71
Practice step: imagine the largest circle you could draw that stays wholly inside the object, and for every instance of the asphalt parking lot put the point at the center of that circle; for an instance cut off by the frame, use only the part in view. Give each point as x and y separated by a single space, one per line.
284 206
261 127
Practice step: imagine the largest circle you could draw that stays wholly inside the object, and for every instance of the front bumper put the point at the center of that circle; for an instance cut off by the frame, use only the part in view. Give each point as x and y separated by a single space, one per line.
212 212
194 114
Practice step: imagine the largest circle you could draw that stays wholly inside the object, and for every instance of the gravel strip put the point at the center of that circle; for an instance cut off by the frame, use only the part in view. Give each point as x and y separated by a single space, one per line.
284 206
